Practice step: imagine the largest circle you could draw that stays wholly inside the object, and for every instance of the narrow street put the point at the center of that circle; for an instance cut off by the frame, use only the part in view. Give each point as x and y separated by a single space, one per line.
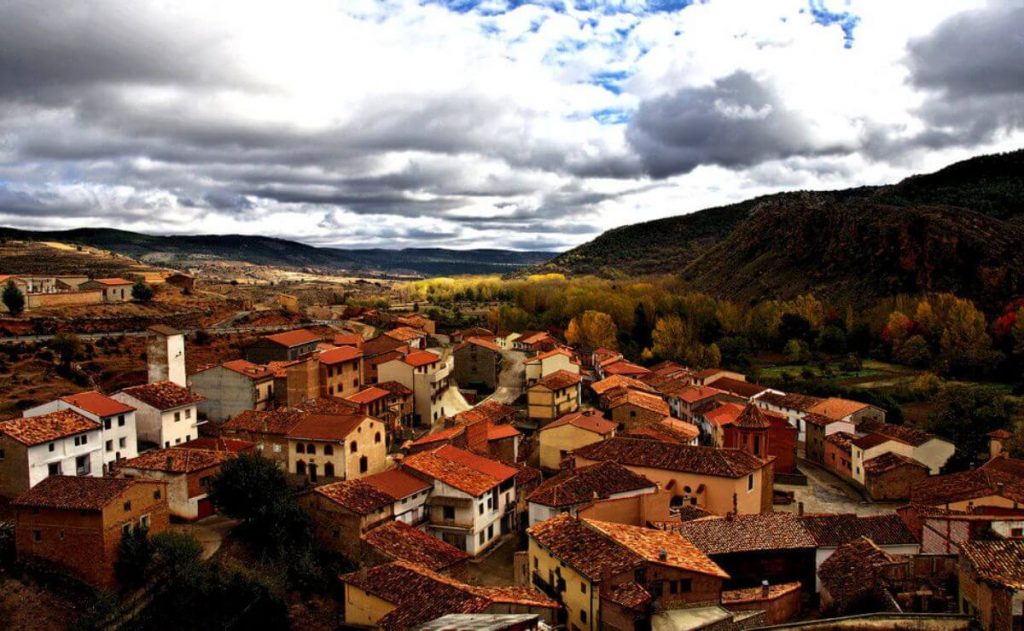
511 378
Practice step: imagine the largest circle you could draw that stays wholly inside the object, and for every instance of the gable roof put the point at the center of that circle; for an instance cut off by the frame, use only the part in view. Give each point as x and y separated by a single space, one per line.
659 546
623 367
559 380
587 550
759 532
399 541
460 469
643 400
667 429
405 334
480 342
290 339
743 389
489 410
791 401
99 404
382 344
419 359
246 368
443 435
837 408
36 430
966 485
726 463
356 496
368 395
752 417
164 395
396 483
835 530
395 388
326 426
590 420
178 460
902 433
619 381
724 413
890 461
340 355
1000 562
584 484
536 359
693 393
854 567
265 421
111 281
65 492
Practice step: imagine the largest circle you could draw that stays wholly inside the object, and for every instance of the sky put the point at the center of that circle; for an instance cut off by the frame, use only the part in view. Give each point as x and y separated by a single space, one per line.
523 124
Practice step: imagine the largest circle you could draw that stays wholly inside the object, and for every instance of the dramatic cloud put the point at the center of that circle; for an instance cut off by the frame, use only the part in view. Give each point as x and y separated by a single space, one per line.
479 123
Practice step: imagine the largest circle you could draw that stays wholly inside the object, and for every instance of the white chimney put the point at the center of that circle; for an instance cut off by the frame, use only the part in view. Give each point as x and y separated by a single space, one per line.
165 355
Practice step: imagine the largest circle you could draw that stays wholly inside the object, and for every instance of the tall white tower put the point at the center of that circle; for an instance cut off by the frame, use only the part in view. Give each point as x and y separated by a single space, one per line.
165 354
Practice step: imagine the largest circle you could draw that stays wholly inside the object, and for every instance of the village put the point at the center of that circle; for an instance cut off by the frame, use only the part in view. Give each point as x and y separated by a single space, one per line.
471 478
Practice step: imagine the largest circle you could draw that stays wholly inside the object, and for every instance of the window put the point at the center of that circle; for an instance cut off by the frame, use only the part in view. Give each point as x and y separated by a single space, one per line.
188 412
329 469
673 587
106 423
364 465
177 441
536 563
750 482
126 528
1017 532
300 448
188 437
583 587
37 535
144 522
685 586
156 494
127 506
110 445
167 443
376 437
310 448
205 481
354 447
583 616
490 531
122 442
2 454
481 507
328 450
120 421
481 538
177 416
448 512
53 468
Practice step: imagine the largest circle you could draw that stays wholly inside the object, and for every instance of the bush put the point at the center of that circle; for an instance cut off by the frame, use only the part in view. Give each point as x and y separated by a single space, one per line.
141 291
134 556
13 299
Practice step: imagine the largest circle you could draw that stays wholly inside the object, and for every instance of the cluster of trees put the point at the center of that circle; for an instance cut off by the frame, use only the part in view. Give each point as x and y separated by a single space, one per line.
660 318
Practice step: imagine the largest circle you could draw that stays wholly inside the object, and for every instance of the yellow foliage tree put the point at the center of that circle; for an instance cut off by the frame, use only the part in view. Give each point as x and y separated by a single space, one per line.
592 329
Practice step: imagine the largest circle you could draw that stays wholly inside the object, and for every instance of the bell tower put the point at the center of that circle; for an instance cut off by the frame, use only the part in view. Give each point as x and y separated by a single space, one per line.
165 355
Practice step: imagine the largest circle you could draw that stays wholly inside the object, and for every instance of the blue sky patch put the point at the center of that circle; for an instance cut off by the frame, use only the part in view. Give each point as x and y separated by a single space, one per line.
846 20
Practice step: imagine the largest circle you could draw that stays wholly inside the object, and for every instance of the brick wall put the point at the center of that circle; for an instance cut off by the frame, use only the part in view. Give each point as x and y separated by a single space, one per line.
41 301
894 484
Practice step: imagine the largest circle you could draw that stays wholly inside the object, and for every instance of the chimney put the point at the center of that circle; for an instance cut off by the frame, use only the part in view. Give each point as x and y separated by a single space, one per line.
764 588
800 509
999 488
663 555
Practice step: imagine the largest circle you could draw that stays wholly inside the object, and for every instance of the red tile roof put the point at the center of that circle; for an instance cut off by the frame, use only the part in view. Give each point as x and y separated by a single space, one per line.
999 562
747 533
331 406
290 339
248 369
660 547
967 485
444 435
396 483
490 410
843 440
164 395
395 388
835 530
792 401
642 400
460 469
356 496
692 394
481 342
536 359
585 484
837 409
112 281
668 429
619 381
328 427
421 358
349 339
559 380
743 389
340 355
623 367
724 413
727 463
752 417
873 440
890 461
589 420
499 432
902 433
630 595
587 550
219 443
99 404
1003 462
277 422
405 334
37 430
368 395
854 569
757 594
76 492
399 541
177 460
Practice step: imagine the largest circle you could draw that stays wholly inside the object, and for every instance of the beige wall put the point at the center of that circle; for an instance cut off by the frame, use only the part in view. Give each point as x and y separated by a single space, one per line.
634 510
369 440
362 609
553 442
543 564
544 404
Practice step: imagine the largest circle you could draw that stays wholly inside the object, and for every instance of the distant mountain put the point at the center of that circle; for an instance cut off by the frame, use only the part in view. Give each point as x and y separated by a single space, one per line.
187 251
960 229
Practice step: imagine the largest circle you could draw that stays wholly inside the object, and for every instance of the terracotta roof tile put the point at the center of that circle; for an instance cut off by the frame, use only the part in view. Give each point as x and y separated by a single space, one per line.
340 355
623 367
643 400
396 483
890 461
620 381
37 430
177 460
819 420
99 404
584 484
330 406
461 469
902 433
76 492
383 344
1006 464
659 546
692 394
368 395
278 422
743 389
559 380
405 334
792 401
536 359
399 541
248 369
442 436
843 440
289 339
752 417
668 429
585 549
164 395
835 530
747 533
728 463
722 414
590 420
1000 562
630 595
836 408
854 568
395 388
481 342
757 594
967 485
489 410
112 281
421 358
219 443
326 426
499 432
355 495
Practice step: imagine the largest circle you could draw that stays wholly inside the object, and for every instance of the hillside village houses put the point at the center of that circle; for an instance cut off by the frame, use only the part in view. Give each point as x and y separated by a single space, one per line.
544 364
428 375
63 442
554 395
117 422
336 446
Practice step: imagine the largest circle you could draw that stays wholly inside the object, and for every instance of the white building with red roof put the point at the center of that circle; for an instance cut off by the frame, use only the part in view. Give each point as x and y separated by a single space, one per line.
544 364
166 414
473 500
116 419
59 443
429 376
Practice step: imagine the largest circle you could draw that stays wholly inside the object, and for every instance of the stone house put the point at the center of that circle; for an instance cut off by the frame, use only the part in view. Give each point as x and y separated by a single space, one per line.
544 364
477 362
59 443
991 580
285 346
267 429
553 396
573 488
341 512
187 473
166 413
333 446
231 388
572 431
428 375
341 371
111 289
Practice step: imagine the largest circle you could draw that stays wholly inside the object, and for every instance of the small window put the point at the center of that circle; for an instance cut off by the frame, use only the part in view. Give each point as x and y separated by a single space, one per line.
354 447
685 586
536 563
126 529
37 535
177 416
364 465
300 448
583 587
750 482
122 442
310 448
481 538
188 412
328 450
583 616
128 506
106 423
376 437
448 512
120 421
481 507
156 494
110 445
673 587
2 454
144 522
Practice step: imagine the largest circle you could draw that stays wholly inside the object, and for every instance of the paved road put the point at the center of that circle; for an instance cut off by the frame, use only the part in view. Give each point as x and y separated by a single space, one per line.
828 493
511 379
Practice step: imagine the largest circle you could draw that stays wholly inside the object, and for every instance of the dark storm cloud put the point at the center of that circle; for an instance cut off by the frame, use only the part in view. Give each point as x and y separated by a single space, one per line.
736 122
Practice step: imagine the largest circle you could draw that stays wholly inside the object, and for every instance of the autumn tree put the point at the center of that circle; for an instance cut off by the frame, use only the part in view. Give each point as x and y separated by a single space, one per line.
592 329
675 339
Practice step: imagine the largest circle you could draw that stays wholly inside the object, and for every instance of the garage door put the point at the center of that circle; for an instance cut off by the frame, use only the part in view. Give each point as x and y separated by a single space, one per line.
205 508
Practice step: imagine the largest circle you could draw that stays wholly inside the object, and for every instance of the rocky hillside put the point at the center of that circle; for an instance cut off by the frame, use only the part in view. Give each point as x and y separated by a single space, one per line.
960 229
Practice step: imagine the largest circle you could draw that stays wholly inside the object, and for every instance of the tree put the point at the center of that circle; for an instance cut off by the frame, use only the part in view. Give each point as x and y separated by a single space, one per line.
249 488
831 340
66 345
965 346
671 338
1017 330
13 299
913 352
134 555
964 415
794 326
796 351
592 329
141 291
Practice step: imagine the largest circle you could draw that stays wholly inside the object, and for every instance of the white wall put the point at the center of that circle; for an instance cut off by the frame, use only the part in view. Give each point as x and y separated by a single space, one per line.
121 435
158 426
65 452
